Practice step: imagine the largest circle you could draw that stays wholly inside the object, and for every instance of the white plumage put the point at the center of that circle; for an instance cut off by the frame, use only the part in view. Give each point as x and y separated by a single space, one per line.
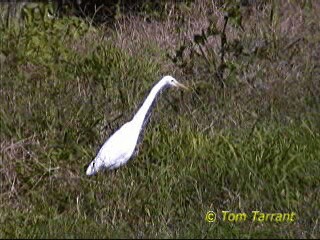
119 148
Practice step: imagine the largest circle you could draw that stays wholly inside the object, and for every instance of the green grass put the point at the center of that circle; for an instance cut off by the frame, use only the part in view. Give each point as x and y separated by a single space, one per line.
167 190
65 88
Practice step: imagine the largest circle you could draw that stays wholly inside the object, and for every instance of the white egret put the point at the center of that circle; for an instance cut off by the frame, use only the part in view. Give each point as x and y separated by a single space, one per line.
119 148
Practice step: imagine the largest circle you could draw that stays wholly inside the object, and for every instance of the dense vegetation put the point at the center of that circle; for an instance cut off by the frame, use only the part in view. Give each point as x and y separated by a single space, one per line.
245 138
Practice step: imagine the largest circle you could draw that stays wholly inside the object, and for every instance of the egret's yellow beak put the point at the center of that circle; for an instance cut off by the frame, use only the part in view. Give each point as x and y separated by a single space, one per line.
180 85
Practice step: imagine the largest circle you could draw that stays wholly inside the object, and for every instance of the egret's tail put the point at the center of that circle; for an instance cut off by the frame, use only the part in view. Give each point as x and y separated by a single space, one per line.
94 167
91 170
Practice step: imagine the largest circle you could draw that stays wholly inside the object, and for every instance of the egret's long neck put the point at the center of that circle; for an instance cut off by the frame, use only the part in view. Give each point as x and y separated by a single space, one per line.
140 116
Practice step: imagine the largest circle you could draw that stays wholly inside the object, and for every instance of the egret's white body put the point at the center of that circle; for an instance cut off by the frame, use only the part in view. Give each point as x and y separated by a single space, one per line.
119 148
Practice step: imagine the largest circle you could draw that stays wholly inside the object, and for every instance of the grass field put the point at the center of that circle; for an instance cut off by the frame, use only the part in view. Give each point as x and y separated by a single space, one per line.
246 141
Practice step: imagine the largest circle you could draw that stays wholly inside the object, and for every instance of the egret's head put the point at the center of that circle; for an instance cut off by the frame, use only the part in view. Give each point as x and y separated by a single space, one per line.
173 82
95 166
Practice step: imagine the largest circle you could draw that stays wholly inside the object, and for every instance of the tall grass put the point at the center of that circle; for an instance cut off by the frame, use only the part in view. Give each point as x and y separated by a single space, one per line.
254 145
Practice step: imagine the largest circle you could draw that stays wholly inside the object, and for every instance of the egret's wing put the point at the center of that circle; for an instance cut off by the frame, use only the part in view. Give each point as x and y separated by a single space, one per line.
120 146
